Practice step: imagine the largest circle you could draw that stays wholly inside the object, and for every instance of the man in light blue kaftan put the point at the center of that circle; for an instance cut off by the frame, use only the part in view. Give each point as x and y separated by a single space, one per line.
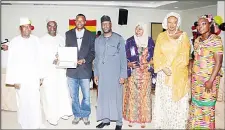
110 71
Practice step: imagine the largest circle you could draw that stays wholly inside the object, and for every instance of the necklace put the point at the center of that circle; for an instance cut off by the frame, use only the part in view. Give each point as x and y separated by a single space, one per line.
171 34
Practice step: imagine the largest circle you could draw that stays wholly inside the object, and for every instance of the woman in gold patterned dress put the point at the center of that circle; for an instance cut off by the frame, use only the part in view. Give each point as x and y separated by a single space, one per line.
206 74
137 106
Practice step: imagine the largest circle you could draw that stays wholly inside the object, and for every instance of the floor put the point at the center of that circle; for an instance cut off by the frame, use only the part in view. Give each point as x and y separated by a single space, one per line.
9 120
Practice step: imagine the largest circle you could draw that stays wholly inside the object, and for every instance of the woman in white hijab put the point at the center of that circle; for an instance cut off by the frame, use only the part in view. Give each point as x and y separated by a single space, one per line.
137 98
171 59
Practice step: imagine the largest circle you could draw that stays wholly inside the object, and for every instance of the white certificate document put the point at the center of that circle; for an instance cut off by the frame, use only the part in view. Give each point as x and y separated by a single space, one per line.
67 57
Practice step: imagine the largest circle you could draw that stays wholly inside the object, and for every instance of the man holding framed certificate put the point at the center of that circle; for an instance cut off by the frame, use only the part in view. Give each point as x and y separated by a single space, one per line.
80 76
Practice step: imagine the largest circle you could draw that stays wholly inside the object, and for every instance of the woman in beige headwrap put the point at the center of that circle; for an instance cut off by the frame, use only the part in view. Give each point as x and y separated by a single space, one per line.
137 98
171 59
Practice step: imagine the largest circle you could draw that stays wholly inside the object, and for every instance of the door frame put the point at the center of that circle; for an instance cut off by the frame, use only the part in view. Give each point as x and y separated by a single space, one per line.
152 23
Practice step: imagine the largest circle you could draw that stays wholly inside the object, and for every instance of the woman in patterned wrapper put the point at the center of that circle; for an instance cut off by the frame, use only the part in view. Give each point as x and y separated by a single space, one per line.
137 105
171 60
206 74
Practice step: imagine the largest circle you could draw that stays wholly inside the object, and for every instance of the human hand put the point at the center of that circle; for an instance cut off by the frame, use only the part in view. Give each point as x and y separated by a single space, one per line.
57 55
96 80
144 66
132 65
56 61
208 86
4 47
151 62
17 86
41 82
196 45
80 62
167 71
122 81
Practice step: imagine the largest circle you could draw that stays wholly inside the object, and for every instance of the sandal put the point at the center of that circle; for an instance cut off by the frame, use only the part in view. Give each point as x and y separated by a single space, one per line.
143 125
130 124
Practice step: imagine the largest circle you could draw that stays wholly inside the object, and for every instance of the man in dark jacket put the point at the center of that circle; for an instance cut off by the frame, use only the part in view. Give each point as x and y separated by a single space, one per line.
84 40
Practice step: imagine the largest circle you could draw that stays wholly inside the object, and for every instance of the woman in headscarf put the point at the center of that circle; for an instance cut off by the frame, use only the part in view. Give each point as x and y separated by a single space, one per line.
171 60
206 72
137 106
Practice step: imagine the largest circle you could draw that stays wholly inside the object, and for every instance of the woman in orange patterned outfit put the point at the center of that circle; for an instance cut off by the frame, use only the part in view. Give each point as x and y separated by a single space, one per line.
137 106
206 74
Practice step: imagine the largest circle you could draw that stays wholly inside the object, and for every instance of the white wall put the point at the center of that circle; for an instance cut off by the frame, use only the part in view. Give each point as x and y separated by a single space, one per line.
220 12
220 104
190 16
38 15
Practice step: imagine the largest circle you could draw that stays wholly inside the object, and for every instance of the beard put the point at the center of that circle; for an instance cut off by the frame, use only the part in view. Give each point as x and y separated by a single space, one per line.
107 30
52 32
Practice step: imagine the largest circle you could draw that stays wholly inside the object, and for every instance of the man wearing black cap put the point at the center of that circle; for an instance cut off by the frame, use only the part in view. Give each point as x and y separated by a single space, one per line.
110 71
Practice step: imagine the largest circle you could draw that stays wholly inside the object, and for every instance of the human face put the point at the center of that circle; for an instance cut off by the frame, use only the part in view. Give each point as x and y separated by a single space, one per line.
80 22
106 26
52 28
25 30
203 26
139 31
172 23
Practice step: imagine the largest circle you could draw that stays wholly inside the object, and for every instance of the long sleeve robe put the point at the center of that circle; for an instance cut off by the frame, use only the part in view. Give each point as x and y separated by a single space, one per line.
110 65
23 68
55 95
177 61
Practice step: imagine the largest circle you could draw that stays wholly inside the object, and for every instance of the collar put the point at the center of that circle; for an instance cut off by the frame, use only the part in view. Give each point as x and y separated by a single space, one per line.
79 31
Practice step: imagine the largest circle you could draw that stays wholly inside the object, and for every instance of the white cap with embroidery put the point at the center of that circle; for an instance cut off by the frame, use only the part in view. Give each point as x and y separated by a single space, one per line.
50 19
24 21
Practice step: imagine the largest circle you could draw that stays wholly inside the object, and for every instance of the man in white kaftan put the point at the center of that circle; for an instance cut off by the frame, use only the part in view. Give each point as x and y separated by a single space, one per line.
23 73
55 95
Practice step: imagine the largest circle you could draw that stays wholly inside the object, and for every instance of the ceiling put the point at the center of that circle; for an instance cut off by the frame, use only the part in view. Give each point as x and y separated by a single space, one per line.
184 5
164 5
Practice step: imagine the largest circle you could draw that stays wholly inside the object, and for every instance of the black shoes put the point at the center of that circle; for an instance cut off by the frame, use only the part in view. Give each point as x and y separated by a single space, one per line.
118 127
101 125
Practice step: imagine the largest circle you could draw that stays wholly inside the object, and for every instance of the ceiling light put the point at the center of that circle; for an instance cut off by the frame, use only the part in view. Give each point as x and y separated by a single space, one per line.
175 7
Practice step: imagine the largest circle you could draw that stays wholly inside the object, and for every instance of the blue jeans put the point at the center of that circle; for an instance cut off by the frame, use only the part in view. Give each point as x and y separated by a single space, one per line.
83 110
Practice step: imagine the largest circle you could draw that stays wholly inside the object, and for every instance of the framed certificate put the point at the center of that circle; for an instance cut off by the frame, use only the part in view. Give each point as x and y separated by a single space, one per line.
67 57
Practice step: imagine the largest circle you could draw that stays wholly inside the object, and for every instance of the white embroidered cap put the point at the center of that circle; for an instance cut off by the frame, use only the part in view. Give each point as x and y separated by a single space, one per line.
25 21
50 19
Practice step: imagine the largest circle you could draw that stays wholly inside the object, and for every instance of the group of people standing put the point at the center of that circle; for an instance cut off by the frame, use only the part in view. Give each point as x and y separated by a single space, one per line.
124 71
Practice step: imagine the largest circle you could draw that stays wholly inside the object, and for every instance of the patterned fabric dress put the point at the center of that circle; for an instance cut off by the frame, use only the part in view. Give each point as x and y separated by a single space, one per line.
202 109
137 105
